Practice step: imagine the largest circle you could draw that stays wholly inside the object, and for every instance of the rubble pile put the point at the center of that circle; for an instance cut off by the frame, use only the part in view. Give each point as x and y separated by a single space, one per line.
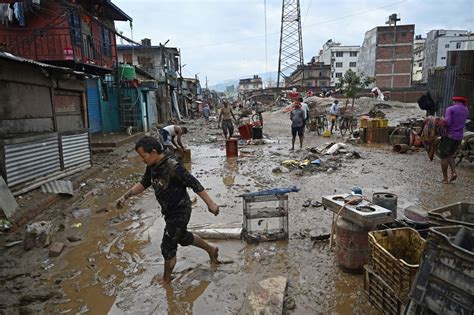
325 158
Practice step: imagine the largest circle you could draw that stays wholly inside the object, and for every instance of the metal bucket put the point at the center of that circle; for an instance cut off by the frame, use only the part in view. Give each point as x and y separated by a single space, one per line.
352 246
387 201
231 148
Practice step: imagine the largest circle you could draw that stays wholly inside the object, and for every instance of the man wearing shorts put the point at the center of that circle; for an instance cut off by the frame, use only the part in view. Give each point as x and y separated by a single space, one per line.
226 116
170 180
297 117
455 116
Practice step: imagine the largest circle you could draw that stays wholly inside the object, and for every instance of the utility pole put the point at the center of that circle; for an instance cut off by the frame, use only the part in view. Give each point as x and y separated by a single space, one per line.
291 42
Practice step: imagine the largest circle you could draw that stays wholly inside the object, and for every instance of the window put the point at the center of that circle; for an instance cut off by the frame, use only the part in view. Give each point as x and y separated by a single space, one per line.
75 23
339 54
338 64
446 45
458 45
420 64
320 74
106 42
255 86
353 64
338 74
443 58
353 54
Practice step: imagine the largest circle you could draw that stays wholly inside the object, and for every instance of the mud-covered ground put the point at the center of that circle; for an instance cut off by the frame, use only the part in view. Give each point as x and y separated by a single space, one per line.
112 262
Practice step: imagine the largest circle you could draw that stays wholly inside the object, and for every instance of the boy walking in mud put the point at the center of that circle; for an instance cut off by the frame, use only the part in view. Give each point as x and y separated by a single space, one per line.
170 180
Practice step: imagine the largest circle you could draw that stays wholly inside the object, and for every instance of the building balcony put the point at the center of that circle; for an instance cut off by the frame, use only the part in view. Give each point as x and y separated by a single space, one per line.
59 46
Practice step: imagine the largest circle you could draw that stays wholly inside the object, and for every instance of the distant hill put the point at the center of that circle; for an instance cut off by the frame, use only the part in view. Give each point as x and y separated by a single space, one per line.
221 86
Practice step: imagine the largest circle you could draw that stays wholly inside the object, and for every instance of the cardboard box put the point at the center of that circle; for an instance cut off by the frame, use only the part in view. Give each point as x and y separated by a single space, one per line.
185 155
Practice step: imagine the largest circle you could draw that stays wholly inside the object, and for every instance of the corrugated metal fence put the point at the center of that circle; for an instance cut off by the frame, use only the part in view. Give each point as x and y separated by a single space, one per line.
25 161
441 84
455 79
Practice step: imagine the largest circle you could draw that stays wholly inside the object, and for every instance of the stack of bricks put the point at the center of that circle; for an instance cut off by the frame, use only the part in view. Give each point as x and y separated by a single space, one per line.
374 130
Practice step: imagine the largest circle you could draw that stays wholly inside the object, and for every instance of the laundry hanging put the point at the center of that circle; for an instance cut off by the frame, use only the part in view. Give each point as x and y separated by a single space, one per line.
19 13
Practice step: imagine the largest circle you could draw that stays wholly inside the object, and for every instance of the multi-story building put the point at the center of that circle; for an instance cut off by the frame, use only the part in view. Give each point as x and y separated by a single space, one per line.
313 76
387 55
439 42
76 34
248 85
159 61
341 58
418 58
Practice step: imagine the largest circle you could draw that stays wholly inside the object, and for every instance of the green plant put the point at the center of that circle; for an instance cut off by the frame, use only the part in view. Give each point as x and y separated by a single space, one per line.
351 83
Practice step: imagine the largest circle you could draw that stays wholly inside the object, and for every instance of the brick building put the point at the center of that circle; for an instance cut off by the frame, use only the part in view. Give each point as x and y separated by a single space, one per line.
387 55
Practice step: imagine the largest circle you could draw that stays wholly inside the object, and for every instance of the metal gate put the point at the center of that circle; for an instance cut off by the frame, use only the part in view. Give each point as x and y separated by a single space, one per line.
93 106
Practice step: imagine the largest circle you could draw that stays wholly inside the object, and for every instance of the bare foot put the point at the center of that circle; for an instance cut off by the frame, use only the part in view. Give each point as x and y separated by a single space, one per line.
166 282
453 177
214 255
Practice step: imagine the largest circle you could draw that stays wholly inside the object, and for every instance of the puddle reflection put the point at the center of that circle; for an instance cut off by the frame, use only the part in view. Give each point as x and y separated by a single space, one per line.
182 303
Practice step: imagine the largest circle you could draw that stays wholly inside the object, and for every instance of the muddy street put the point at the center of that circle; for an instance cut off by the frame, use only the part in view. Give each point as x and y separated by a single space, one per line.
114 264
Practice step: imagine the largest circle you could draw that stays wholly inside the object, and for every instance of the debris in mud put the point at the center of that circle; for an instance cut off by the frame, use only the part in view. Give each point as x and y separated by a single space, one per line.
280 169
38 234
5 225
55 249
290 303
79 213
73 239
58 187
266 296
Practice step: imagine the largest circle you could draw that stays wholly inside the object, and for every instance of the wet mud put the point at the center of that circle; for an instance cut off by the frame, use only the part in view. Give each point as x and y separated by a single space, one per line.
116 266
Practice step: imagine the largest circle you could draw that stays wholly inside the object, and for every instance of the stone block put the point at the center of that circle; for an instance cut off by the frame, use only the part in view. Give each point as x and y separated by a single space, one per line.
55 249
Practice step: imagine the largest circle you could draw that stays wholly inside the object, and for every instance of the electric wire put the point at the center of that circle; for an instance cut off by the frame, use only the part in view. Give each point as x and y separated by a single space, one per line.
309 25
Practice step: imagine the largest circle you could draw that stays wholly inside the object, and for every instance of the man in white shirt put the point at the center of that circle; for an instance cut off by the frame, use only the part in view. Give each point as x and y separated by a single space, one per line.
305 108
334 111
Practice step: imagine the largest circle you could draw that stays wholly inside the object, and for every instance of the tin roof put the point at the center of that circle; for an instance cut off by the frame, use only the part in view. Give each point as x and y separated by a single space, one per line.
6 55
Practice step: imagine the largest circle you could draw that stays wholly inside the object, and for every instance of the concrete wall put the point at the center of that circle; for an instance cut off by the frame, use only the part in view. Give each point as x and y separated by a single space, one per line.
366 59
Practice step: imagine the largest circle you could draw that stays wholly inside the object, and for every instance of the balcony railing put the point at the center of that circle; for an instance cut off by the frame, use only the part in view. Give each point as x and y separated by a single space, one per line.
58 44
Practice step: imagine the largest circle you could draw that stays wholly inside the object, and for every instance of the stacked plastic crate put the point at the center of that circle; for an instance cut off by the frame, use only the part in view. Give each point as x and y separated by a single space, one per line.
394 261
445 281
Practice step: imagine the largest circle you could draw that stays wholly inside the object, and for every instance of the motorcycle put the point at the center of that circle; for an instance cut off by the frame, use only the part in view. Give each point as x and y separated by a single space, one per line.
466 148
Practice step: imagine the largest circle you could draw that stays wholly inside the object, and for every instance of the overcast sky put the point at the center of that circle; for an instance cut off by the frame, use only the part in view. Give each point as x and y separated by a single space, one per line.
225 39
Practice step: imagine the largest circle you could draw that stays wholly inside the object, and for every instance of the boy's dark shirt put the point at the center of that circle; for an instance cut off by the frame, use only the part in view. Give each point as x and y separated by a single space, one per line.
170 180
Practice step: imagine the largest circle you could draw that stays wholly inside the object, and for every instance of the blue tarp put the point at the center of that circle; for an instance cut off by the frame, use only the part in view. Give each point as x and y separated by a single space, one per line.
273 191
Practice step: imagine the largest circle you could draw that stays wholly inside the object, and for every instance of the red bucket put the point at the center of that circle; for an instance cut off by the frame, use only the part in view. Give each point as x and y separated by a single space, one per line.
245 132
231 148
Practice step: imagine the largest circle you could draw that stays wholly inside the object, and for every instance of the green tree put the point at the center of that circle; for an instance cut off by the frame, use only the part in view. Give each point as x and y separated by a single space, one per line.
352 83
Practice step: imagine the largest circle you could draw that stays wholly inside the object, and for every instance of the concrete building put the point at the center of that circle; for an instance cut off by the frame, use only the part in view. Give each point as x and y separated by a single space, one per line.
159 61
439 42
315 76
248 85
418 58
387 55
340 58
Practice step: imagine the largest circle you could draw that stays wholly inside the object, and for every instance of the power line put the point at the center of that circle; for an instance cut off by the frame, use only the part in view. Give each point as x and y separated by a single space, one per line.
306 26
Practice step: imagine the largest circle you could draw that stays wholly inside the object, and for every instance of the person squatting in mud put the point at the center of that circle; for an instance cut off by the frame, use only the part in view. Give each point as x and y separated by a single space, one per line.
170 180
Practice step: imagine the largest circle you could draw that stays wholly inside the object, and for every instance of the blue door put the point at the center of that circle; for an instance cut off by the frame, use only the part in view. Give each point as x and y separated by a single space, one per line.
93 106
